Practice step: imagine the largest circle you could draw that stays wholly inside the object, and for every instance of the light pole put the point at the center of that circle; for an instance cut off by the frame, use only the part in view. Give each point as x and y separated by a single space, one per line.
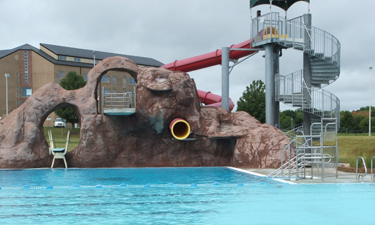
369 117
6 84
291 123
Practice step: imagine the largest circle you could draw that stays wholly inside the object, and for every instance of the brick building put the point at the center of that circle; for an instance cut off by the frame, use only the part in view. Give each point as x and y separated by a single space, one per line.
30 68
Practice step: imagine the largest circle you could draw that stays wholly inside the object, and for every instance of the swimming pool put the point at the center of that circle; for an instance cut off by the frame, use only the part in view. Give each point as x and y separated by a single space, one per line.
175 196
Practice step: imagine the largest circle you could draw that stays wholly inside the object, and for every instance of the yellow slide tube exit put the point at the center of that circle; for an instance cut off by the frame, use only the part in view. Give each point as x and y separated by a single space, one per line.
179 128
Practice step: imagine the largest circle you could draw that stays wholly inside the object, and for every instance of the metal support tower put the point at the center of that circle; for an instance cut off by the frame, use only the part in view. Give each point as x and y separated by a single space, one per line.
225 78
272 68
307 72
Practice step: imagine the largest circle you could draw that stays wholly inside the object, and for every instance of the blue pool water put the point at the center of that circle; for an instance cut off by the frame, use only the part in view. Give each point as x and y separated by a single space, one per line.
175 196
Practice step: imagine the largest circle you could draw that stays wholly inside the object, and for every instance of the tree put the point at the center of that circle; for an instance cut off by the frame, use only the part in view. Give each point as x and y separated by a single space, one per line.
346 120
356 121
72 81
253 100
286 117
285 121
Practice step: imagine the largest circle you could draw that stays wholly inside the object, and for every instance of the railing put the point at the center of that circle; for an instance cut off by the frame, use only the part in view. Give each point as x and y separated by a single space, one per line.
119 100
288 163
310 150
292 89
372 173
295 33
325 45
291 133
359 177
261 23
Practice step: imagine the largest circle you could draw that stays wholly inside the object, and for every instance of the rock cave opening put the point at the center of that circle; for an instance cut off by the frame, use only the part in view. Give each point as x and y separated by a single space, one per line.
59 120
115 88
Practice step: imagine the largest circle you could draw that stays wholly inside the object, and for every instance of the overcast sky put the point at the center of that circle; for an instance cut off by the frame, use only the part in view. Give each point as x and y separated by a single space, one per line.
167 30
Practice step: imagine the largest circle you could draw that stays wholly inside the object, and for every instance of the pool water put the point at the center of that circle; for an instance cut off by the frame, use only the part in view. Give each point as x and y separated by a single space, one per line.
175 196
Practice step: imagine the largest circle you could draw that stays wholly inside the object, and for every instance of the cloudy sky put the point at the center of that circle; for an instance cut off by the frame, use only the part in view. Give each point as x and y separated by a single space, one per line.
167 30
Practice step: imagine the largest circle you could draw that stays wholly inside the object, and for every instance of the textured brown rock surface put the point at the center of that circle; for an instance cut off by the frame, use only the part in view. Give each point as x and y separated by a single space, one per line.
218 138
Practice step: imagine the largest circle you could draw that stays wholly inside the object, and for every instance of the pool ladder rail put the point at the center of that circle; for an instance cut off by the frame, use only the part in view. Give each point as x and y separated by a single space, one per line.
359 177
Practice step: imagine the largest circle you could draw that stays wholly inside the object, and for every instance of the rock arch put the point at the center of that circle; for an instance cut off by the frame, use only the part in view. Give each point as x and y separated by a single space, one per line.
114 63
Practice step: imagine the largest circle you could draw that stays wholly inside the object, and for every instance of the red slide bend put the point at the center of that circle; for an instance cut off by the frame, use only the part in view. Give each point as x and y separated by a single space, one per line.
207 60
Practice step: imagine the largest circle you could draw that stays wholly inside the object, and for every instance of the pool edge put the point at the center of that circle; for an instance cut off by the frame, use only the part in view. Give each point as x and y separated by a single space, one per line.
259 175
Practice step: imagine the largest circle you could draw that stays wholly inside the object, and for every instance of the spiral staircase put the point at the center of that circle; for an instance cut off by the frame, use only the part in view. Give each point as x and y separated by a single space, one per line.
303 89
323 53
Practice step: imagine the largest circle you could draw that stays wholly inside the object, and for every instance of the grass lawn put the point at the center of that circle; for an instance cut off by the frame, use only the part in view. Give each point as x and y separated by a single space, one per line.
60 136
351 146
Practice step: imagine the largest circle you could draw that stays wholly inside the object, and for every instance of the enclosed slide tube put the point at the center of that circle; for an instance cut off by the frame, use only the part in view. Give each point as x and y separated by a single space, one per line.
179 128
208 60
210 99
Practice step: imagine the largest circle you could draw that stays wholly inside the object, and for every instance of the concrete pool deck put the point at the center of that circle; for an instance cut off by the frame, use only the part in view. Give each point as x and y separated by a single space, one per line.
330 176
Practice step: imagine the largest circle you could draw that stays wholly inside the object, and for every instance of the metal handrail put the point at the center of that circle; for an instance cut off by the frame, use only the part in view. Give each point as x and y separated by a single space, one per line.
278 171
282 158
119 100
321 41
359 177
372 174
322 103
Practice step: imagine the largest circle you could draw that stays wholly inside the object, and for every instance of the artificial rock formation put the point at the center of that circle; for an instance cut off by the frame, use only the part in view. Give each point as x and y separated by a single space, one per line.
218 138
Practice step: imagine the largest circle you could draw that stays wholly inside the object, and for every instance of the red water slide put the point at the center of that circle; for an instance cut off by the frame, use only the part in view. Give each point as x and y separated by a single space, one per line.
207 60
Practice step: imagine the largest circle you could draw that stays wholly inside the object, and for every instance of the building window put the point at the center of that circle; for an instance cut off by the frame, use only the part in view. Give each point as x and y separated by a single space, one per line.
26 77
85 76
17 94
106 91
62 57
17 74
77 60
105 79
114 91
26 67
114 81
18 103
132 81
18 80
18 88
124 82
57 80
61 74
26 92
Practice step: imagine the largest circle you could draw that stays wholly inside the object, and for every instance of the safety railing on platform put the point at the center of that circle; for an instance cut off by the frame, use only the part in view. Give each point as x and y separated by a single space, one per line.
267 26
294 33
119 101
